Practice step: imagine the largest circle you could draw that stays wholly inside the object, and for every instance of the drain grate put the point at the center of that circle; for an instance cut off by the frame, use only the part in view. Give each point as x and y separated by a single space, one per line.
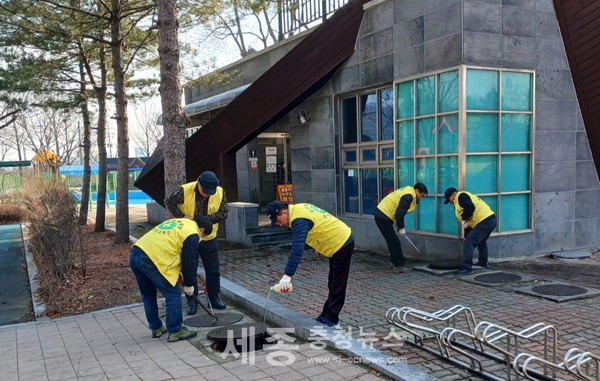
498 277
208 321
559 290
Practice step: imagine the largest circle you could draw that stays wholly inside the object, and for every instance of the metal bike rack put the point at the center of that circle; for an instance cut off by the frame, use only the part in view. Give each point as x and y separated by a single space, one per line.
455 331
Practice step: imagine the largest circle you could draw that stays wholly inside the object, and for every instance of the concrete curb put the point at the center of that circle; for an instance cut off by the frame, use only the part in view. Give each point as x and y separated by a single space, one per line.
304 327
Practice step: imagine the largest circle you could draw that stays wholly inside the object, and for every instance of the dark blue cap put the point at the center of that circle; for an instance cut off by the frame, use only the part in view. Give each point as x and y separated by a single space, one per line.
273 210
209 182
449 192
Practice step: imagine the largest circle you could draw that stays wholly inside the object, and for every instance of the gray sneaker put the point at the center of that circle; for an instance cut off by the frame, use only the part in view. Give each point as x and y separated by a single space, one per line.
183 334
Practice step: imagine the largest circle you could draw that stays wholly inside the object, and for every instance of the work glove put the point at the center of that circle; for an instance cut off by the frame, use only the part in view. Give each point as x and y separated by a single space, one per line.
285 283
402 232
188 290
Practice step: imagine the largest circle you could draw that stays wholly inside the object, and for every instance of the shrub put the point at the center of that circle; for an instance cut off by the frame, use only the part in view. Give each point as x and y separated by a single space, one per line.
10 211
51 216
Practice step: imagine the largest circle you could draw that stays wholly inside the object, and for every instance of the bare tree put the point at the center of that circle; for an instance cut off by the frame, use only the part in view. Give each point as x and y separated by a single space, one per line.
146 133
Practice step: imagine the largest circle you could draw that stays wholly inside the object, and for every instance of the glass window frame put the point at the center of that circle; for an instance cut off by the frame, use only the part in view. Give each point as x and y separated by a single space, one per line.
359 147
461 153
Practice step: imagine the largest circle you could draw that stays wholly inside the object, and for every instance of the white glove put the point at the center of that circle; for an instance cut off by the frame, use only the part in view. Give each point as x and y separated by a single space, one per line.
188 290
285 283
402 232
464 224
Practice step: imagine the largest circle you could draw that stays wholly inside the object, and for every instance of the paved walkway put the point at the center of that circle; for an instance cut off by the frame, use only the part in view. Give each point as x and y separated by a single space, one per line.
116 344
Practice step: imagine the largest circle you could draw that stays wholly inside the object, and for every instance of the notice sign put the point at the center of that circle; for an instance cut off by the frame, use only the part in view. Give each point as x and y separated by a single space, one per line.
271 159
285 193
270 150
271 168
253 163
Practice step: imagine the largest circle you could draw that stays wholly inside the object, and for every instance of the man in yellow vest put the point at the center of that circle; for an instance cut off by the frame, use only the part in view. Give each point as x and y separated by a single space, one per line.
157 259
330 238
392 209
478 220
203 198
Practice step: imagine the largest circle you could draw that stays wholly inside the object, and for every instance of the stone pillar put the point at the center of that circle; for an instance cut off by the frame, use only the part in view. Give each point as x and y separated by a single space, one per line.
242 215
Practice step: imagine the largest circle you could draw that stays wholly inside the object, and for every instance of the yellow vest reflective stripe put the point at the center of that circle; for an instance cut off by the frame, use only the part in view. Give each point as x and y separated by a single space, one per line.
482 210
189 204
163 245
390 203
327 235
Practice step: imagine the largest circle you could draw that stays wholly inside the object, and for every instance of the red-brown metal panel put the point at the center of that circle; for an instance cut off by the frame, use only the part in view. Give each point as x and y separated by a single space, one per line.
291 80
579 22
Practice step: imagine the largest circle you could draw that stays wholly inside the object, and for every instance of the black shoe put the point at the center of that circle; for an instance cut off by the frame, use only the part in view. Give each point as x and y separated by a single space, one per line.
480 264
192 306
464 271
216 303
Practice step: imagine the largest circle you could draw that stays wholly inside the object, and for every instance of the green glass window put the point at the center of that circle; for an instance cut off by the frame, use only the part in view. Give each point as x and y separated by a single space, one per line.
448 224
386 114
405 137
516 132
515 173
448 91
516 91
426 95
447 131
482 174
447 173
425 212
482 89
406 172
515 212
406 100
481 143
482 132
425 136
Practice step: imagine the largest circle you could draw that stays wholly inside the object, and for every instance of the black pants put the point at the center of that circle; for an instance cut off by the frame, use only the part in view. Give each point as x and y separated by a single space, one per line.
477 238
208 251
386 227
339 268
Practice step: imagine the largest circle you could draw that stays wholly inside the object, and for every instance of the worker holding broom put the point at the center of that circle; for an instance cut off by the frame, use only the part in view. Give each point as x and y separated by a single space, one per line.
157 259
392 209
330 237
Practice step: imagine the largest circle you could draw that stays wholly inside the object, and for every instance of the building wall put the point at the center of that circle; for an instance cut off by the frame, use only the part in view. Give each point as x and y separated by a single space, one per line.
404 38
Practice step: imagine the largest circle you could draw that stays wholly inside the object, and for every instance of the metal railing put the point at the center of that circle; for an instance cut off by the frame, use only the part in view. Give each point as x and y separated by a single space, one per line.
293 15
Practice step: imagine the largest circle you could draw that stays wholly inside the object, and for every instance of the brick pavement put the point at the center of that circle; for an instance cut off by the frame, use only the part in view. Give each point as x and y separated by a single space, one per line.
116 344
373 289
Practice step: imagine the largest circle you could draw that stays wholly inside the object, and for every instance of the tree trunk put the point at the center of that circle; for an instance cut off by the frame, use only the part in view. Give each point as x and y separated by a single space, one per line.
122 212
174 120
102 114
85 186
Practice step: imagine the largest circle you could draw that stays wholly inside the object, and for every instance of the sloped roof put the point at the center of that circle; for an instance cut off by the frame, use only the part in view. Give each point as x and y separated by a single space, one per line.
302 71
579 22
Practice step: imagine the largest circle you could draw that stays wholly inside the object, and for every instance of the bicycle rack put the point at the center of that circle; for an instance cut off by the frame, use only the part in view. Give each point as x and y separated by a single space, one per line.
480 341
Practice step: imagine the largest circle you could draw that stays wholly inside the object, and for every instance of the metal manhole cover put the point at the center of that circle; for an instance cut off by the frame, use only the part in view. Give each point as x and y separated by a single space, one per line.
238 331
206 320
498 277
559 290
445 265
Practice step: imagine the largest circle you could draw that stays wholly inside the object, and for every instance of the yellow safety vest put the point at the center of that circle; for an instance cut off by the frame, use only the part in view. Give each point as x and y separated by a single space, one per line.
389 204
189 204
327 235
482 210
163 245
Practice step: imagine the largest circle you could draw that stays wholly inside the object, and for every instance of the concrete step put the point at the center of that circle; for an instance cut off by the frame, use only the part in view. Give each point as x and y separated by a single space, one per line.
270 237
266 229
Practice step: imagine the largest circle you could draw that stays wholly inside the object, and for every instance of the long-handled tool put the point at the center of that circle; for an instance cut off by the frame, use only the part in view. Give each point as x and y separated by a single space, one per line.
413 245
180 283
